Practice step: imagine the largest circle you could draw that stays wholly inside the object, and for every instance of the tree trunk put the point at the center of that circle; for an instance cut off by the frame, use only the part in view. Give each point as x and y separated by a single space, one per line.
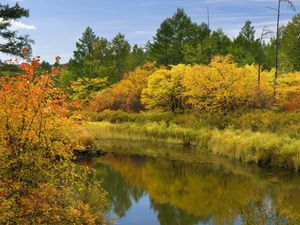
277 49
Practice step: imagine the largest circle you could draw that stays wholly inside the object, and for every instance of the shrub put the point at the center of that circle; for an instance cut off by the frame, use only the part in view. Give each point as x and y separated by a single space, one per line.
164 90
126 94
288 91
39 183
223 87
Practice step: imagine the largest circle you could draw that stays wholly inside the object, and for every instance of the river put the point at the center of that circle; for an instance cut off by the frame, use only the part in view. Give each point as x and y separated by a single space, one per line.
151 184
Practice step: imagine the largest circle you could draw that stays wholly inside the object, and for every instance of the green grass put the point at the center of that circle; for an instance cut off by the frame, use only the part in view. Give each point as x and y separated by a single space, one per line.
155 132
286 123
261 137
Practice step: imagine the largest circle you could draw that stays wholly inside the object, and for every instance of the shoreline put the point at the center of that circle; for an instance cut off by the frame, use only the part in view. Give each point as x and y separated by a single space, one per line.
266 149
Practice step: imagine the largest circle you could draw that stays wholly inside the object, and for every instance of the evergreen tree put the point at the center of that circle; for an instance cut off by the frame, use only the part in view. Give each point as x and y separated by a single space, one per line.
171 37
84 47
245 48
12 42
291 44
98 57
121 56
216 44
77 66
138 57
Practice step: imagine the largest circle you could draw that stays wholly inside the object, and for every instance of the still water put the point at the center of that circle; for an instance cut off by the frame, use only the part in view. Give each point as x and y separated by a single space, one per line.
173 186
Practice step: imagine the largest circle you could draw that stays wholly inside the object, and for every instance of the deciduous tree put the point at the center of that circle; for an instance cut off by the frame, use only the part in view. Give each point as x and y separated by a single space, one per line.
126 94
39 183
164 90
217 88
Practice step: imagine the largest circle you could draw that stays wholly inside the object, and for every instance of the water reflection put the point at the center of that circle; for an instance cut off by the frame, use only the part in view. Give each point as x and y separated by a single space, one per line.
181 192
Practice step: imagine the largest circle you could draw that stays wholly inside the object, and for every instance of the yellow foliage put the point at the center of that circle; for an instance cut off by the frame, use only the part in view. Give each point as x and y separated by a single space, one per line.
288 91
222 86
165 90
126 94
39 183
258 94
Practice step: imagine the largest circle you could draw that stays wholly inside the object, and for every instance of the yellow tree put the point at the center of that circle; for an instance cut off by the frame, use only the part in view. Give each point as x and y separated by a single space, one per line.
258 96
126 94
165 90
288 91
217 88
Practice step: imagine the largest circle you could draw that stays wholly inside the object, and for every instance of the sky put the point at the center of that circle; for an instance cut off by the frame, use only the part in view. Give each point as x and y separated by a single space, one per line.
56 25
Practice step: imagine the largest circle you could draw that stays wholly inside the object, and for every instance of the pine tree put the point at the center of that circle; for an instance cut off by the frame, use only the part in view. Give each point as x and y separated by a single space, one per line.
245 48
84 47
13 43
173 34
291 44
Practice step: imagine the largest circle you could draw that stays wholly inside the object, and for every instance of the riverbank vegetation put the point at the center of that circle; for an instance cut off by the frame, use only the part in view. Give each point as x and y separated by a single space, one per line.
229 105
263 137
40 183
190 86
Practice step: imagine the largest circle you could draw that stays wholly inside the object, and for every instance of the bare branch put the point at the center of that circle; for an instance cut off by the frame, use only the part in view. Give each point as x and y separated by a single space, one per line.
290 4
275 9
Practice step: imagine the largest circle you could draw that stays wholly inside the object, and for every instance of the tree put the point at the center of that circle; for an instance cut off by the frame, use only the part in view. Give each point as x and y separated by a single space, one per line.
8 69
278 10
138 57
65 78
85 45
100 63
44 68
164 90
84 49
269 50
216 44
121 56
85 88
13 43
108 59
217 88
288 91
245 49
126 94
291 43
173 34
247 33
39 182
262 97
261 57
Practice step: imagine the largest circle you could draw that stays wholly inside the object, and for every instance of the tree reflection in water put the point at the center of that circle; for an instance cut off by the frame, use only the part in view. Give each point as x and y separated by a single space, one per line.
186 193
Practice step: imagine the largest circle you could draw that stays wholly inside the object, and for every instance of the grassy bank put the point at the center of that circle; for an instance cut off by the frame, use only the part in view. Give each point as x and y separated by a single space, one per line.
262 137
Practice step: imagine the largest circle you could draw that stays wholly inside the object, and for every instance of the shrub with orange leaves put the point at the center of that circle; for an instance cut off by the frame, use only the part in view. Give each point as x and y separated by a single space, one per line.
126 94
38 180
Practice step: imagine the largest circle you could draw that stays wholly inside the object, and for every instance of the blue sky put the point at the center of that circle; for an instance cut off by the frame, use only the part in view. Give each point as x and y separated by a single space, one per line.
56 25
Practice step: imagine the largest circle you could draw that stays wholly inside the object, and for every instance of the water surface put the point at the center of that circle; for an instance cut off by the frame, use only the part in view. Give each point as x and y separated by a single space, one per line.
175 186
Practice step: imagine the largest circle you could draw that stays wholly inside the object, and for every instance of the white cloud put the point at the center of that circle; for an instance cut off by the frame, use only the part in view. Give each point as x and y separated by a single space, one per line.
19 25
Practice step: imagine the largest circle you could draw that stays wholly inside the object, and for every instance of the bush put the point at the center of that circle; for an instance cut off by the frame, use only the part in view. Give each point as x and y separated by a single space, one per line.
126 94
39 182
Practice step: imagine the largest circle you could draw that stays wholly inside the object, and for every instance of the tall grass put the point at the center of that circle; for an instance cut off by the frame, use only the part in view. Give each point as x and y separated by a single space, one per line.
286 123
155 132
262 137
265 149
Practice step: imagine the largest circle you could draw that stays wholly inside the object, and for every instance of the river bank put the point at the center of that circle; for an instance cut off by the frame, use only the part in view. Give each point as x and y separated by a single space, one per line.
269 139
